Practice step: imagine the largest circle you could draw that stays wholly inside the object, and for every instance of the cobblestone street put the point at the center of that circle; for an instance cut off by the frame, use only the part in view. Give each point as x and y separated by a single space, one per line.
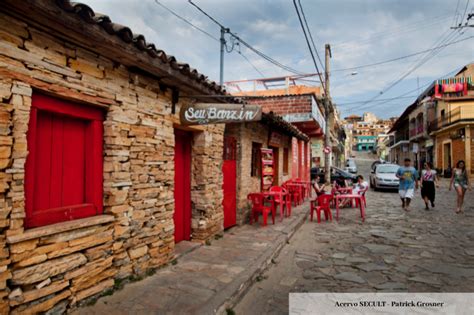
419 251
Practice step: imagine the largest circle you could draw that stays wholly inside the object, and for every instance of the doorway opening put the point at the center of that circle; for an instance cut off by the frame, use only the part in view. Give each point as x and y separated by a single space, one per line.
229 170
182 185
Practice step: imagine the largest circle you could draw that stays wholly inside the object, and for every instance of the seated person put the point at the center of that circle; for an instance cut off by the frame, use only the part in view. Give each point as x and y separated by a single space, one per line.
340 182
360 186
319 189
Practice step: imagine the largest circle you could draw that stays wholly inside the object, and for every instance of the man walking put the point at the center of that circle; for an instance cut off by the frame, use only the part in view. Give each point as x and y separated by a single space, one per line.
408 183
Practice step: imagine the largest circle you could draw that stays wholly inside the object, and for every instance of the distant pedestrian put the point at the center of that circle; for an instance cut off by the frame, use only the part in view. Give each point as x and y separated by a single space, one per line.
408 183
460 182
429 180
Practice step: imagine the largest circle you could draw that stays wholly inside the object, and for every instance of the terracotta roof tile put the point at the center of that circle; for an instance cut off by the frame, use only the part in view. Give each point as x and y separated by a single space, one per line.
138 40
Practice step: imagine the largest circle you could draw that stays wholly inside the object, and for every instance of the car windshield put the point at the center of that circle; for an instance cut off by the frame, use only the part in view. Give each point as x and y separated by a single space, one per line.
338 171
387 169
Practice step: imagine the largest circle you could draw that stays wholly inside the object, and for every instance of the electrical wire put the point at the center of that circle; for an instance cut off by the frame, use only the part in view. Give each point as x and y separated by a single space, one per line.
311 36
455 20
253 66
256 51
400 58
415 24
443 39
406 93
464 14
309 47
186 21
349 45
379 100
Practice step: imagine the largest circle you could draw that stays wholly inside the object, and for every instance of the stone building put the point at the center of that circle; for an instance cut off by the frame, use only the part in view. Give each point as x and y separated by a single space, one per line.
80 91
273 133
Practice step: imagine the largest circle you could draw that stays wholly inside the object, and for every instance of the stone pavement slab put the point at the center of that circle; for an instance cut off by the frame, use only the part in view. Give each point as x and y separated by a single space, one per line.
208 279
393 250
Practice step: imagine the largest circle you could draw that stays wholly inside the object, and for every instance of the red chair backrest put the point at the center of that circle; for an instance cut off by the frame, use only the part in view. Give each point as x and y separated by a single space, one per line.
324 200
276 189
256 199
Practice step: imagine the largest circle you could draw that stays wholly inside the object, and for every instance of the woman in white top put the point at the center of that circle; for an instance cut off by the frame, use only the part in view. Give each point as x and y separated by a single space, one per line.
429 179
361 185
359 188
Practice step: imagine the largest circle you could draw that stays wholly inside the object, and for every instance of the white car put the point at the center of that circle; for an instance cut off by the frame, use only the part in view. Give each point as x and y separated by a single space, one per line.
384 177
351 166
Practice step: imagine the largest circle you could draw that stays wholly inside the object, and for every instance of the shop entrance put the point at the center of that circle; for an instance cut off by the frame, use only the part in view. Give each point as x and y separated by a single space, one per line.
230 182
276 166
182 185
447 155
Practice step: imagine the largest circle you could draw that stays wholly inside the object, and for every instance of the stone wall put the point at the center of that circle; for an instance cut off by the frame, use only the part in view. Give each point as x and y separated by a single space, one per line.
206 183
245 134
59 265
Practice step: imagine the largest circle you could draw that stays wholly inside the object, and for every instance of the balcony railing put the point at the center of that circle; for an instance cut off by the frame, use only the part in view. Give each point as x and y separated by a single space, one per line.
452 117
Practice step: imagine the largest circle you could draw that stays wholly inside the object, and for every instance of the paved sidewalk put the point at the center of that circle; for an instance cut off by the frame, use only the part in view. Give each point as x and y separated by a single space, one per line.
209 279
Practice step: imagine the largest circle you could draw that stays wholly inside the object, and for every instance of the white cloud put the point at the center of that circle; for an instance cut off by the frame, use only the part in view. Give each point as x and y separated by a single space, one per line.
361 32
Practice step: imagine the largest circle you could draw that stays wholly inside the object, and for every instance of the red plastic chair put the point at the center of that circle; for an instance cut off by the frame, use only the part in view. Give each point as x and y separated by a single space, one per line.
287 202
279 199
303 188
323 203
362 193
258 206
295 194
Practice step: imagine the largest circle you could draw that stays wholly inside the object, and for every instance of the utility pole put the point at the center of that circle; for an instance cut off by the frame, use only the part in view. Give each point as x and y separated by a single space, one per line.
327 113
222 41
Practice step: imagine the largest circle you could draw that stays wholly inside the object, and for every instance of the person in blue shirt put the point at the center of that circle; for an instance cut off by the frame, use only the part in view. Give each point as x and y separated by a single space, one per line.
408 176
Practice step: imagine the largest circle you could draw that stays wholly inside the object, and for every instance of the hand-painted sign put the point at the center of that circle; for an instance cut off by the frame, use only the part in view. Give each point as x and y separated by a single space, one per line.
211 113
274 139
294 153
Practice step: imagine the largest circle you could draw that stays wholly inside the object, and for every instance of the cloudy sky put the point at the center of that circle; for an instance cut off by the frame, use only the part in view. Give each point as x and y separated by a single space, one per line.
361 32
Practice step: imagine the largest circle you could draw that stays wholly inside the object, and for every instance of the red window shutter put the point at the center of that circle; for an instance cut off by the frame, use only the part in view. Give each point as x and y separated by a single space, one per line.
63 176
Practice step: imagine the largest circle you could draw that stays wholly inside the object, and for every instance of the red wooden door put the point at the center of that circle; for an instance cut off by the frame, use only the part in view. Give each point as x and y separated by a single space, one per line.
230 182
182 186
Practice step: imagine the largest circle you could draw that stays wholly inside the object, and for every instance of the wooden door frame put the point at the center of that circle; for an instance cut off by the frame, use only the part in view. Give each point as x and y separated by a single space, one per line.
450 153
276 165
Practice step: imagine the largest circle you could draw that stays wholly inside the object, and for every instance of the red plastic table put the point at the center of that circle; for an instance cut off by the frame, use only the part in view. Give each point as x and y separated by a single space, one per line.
306 187
351 197
300 188
272 195
344 190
